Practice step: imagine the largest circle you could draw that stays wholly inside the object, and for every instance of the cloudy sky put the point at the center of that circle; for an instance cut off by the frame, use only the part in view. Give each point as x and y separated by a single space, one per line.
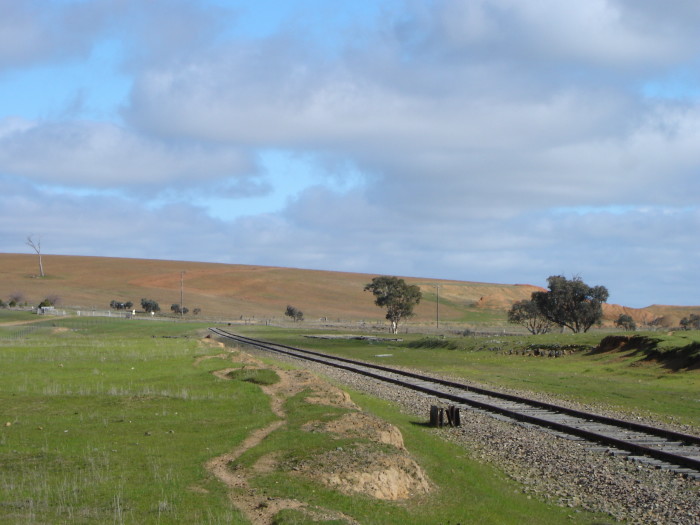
483 140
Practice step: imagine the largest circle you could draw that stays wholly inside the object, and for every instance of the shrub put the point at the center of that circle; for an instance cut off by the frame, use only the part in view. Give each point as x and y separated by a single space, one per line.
175 308
118 305
294 313
433 342
626 322
691 322
149 305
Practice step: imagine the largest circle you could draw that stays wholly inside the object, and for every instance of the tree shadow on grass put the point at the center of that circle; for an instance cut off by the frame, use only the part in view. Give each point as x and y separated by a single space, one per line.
683 358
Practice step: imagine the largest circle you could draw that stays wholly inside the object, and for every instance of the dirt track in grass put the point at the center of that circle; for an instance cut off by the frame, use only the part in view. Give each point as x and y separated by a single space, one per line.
384 472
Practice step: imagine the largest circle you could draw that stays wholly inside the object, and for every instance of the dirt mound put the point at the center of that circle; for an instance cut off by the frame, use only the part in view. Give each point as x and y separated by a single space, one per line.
208 341
364 469
359 424
612 343
326 394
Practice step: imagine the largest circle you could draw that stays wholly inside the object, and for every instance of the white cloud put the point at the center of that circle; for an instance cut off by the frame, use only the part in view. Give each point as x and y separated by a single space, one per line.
104 155
39 31
642 255
600 33
106 225
511 150
32 31
486 139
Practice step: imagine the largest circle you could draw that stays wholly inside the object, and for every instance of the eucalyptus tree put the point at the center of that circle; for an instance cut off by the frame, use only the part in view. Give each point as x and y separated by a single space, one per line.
571 303
527 314
396 296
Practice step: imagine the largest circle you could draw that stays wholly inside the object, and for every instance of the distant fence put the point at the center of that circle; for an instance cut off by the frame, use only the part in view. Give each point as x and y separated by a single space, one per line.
49 310
447 328
103 313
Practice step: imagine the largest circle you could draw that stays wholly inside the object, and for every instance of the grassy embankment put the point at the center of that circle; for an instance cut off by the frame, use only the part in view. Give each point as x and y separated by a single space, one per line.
113 421
653 375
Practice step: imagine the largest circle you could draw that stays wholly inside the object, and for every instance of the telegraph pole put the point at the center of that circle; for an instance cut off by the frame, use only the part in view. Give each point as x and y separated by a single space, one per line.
437 306
182 304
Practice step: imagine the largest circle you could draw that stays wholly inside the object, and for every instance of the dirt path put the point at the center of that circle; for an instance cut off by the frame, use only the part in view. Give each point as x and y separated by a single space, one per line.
257 509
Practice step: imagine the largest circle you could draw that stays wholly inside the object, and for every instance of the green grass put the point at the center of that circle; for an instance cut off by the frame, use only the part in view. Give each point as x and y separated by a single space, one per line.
432 343
8 316
297 517
116 428
465 491
466 312
256 376
628 381
112 422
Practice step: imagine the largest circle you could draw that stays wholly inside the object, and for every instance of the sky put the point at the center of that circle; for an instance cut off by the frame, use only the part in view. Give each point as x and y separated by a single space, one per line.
480 140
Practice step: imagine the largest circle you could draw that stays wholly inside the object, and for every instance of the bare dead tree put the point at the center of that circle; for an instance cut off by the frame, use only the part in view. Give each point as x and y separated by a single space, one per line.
36 246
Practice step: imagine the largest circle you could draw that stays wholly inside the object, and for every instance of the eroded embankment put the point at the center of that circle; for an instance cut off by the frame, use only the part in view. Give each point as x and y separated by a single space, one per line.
376 464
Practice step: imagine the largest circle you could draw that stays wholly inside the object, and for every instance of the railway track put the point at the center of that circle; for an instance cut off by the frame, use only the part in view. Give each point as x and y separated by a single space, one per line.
657 447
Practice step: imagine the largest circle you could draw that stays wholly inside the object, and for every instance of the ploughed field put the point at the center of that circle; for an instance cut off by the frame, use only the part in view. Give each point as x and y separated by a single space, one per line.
236 292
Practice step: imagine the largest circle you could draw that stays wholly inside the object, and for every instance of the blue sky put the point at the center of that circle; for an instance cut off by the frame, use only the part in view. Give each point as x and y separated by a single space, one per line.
482 140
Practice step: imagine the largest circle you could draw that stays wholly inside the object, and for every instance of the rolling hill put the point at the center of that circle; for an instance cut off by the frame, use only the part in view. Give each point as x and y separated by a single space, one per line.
233 292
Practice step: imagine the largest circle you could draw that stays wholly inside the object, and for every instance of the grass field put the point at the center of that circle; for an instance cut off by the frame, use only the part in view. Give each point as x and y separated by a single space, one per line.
112 421
624 380
102 426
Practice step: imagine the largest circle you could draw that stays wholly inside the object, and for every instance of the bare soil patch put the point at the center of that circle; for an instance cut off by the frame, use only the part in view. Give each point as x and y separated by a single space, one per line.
362 469
359 424
209 341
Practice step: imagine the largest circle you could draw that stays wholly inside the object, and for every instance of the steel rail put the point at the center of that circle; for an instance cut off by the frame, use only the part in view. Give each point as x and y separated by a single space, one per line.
690 462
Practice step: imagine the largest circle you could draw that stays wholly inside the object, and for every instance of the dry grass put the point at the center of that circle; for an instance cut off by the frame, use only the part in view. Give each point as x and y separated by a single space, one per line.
235 291
229 290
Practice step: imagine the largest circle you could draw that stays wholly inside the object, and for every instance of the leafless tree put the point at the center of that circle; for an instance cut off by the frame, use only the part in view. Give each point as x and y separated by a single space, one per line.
36 246
16 298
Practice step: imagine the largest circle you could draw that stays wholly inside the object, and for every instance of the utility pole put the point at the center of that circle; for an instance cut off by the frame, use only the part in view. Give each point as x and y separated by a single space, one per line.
437 306
182 304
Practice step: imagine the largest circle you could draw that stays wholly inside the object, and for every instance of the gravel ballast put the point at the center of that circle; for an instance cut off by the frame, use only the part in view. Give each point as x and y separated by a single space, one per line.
566 472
